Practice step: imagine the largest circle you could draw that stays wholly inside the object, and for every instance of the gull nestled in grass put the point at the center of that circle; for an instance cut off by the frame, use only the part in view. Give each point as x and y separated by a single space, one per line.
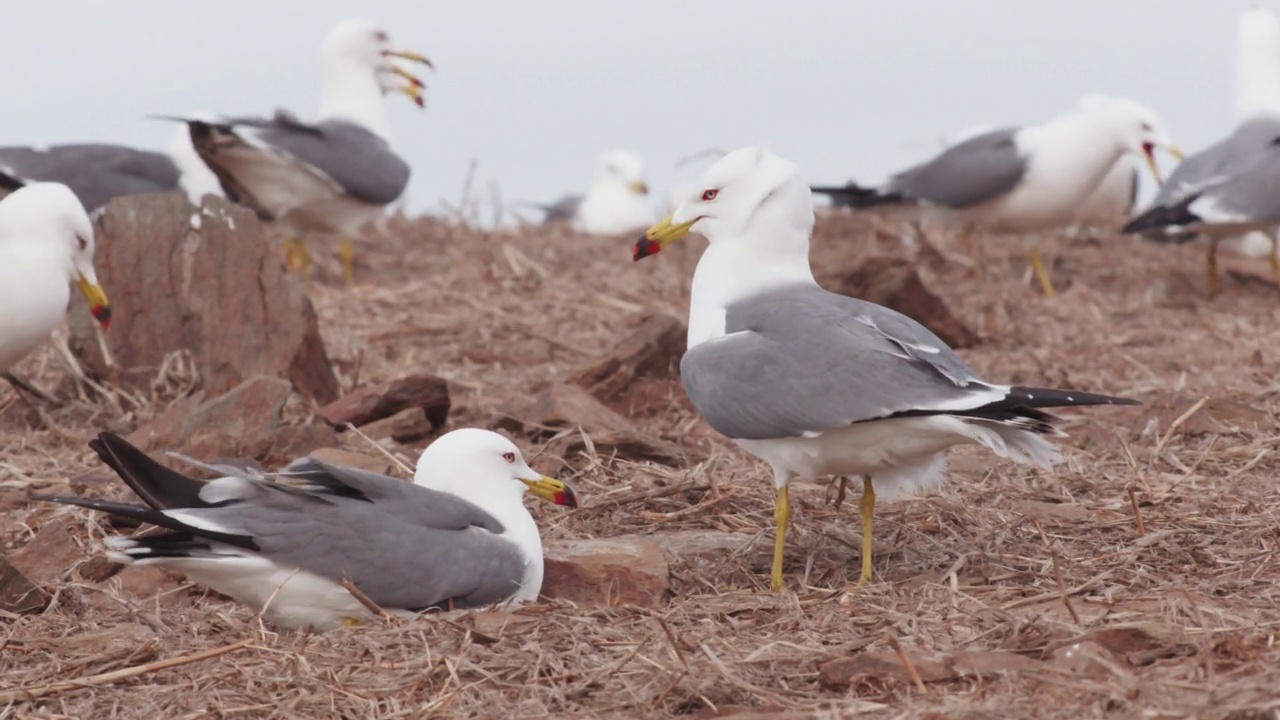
816 383
1022 179
459 536
335 174
617 202
46 243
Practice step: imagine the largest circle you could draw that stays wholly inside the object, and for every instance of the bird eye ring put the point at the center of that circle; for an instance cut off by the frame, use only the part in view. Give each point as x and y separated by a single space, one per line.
82 242
710 194
509 457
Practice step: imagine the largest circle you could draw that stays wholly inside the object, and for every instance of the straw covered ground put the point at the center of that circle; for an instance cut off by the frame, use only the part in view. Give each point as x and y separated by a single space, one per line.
1137 580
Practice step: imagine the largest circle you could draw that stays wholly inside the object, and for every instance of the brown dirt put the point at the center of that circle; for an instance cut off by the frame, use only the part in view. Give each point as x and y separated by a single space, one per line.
1003 558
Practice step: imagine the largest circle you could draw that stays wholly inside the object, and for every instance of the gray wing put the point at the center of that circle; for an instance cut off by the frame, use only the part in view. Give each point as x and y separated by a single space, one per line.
801 360
359 162
414 549
562 210
1251 196
441 511
96 173
971 172
1219 161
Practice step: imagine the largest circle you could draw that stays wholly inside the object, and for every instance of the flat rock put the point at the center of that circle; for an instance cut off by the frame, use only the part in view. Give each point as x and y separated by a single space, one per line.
206 281
50 555
243 422
376 402
295 441
839 674
373 463
17 593
406 426
896 284
653 350
608 571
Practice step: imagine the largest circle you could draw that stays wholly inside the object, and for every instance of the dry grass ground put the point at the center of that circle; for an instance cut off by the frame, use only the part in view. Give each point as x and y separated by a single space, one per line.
1167 529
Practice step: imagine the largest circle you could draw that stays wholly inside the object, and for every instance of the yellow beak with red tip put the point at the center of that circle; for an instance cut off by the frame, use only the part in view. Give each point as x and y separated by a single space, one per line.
552 490
98 303
660 236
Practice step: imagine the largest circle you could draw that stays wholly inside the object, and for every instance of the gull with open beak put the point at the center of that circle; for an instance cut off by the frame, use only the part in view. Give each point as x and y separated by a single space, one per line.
334 174
1022 179
46 244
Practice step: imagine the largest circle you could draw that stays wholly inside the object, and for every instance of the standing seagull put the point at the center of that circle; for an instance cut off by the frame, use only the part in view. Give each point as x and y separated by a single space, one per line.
98 173
459 536
335 174
1027 179
1257 110
816 383
46 243
1233 204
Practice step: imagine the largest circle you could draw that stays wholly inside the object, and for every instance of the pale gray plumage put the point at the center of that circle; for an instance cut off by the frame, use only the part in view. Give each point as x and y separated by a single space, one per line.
405 546
968 173
95 172
359 162
563 210
1218 161
1245 198
801 360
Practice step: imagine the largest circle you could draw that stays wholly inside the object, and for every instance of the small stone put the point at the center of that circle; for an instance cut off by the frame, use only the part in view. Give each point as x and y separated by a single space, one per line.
368 404
653 350
609 571
243 422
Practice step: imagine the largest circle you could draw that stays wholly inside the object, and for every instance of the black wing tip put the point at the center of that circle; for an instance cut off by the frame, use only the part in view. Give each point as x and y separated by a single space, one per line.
1053 397
1163 220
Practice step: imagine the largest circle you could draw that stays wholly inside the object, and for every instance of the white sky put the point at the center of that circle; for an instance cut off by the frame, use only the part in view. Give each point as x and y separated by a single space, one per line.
535 90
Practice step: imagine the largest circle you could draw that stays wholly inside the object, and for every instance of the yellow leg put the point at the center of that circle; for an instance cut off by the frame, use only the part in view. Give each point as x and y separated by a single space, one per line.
1037 264
866 506
1275 259
348 262
781 518
292 259
1211 266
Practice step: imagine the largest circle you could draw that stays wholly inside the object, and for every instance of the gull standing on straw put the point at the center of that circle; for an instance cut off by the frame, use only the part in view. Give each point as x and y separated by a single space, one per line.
816 383
459 536
335 174
1026 179
1257 111
46 243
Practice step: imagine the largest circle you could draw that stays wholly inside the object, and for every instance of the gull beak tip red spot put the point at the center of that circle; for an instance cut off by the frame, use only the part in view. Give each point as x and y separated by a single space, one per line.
567 498
102 314
644 247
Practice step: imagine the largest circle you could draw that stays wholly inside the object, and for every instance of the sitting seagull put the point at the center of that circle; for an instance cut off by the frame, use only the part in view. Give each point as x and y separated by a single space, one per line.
46 243
1023 179
816 383
1257 110
335 174
1230 204
459 536
98 173
616 203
